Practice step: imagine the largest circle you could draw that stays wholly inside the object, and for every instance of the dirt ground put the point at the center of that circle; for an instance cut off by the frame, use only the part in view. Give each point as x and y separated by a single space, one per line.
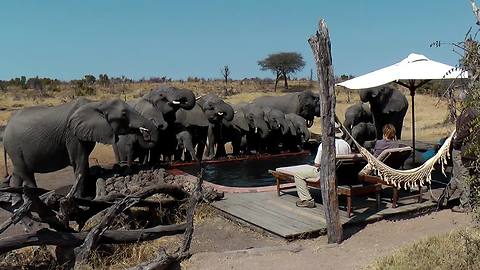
222 244
361 249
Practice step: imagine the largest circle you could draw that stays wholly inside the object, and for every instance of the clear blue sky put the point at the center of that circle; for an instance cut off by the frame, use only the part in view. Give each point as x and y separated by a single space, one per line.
67 39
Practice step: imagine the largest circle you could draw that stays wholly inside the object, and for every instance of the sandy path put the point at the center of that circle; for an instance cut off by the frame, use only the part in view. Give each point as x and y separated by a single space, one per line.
362 248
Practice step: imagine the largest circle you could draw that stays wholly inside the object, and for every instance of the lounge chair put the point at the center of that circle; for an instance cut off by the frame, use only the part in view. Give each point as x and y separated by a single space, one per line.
347 169
394 158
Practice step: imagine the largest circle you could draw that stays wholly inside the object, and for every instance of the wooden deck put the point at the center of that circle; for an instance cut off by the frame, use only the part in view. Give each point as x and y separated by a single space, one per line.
280 216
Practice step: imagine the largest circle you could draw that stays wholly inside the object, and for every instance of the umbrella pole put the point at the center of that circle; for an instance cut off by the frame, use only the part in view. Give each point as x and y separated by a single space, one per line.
412 94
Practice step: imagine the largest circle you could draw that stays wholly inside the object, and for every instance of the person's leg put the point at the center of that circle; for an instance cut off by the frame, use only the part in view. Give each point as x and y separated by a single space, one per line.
302 189
460 174
301 184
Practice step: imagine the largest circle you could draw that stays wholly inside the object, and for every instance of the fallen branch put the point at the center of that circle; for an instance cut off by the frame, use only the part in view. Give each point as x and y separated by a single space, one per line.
164 260
21 212
50 237
93 237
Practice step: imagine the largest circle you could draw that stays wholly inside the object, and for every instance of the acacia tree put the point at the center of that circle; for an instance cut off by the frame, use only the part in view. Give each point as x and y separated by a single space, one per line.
282 64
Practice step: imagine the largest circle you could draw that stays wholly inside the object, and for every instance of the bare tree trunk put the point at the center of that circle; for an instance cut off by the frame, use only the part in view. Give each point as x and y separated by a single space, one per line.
285 79
276 82
320 44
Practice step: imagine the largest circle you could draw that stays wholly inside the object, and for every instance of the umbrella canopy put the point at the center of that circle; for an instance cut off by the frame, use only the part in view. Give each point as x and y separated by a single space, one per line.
414 67
412 72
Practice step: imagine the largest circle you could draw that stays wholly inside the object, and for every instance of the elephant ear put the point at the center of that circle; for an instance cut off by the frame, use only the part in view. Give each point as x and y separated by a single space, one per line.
239 121
89 124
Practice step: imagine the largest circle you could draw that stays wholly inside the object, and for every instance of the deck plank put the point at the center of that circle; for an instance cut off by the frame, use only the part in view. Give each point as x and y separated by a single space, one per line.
280 216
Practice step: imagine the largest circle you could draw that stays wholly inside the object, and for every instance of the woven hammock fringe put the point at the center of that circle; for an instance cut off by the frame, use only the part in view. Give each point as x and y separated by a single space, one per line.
411 178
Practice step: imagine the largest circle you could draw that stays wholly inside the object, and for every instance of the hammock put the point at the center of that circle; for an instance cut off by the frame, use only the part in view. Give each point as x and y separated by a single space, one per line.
407 178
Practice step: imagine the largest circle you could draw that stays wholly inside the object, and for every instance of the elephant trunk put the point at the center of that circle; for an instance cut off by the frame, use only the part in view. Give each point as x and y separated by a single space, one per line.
284 127
364 95
305 134
184 98
145 128
261 128
225 111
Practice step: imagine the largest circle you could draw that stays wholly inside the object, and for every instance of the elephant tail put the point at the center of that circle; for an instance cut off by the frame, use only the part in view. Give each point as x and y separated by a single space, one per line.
5 160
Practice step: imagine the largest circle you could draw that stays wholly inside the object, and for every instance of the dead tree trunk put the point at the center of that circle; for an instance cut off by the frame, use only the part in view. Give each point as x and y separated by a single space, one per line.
320 44
285 79
276 81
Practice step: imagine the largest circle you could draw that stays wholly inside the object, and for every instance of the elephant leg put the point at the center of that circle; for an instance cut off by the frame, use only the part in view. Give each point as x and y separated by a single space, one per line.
79 152
155 154
398 127
187 157
116 153
22 178
200 149
220 150
211 143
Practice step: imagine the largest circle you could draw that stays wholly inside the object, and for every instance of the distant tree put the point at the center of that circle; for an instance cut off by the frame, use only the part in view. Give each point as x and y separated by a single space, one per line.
23 82
35 83
226 73
90 79
282 64
103 80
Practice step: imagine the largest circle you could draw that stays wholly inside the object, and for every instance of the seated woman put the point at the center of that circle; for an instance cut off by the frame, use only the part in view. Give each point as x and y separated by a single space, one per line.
341 148
388 141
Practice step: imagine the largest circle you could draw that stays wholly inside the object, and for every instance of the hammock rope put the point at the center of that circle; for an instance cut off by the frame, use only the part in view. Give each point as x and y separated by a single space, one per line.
411 178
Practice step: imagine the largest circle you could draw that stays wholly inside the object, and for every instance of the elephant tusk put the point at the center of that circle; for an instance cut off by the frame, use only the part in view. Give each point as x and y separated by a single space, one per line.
142 129
220 113
176 102
256 130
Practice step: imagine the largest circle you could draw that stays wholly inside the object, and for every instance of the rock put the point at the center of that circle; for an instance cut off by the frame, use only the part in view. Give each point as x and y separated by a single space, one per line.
119 184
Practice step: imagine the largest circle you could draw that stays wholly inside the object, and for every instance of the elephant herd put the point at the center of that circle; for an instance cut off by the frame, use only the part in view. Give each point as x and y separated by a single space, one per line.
172 124
169 124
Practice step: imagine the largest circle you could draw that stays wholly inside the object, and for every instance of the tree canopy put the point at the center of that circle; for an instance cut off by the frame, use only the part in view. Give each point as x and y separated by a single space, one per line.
282 64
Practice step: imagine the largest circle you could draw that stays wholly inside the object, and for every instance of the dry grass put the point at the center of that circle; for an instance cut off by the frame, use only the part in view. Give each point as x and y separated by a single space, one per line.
430 112
456 250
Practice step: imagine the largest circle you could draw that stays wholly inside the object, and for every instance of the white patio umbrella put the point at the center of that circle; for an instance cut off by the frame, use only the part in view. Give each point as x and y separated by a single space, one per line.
412 72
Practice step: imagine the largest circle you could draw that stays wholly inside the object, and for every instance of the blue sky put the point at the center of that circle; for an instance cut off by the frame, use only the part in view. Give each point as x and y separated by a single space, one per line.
67 39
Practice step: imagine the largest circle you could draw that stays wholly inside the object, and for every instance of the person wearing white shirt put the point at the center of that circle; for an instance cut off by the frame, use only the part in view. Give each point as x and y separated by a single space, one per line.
341 148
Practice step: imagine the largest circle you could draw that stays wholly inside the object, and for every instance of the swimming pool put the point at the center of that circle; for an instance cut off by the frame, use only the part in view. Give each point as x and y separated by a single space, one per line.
247 173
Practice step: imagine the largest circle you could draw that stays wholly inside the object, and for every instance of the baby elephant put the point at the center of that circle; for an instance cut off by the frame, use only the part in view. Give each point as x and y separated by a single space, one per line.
362 132
185 146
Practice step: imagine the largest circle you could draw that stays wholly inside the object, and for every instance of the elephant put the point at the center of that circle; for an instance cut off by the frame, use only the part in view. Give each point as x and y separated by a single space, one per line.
159 106
182 141
388 106
298 133
243 123
66 136
277 128
362 132
357 113
306 104
204 122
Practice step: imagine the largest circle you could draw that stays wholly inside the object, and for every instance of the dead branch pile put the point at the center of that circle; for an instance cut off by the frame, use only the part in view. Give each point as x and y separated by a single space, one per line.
50 218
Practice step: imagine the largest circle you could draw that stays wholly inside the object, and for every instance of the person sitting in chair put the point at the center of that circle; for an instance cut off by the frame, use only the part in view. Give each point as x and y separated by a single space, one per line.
388 141
341 148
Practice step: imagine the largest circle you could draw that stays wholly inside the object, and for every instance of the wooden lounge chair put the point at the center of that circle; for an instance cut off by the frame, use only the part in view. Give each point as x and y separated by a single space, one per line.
394 158
347 168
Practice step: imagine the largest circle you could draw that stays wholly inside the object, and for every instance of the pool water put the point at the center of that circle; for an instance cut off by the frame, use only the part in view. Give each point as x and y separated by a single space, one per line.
247 173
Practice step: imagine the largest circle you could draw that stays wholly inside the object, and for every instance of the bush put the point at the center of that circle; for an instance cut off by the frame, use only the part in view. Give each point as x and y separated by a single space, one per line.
456 250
